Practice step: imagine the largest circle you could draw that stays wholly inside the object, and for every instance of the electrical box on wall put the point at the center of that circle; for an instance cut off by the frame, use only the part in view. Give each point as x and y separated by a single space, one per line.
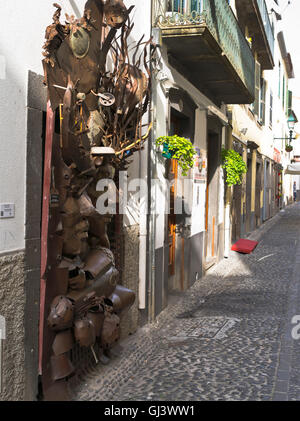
7 210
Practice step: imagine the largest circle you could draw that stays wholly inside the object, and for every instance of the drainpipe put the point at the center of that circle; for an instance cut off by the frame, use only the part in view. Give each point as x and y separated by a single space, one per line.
243 199
151 223
228 199
151 219
143 230
253 191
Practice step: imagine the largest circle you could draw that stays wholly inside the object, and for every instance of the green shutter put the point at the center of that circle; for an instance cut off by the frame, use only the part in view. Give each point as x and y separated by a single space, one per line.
289 102
283 91
257 88
271 109
262 114
279 78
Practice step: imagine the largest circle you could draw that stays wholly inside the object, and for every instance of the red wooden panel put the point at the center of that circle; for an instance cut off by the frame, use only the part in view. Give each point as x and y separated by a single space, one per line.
50 122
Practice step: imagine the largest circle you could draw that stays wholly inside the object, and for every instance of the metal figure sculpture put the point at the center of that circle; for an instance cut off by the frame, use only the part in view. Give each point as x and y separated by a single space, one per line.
101 112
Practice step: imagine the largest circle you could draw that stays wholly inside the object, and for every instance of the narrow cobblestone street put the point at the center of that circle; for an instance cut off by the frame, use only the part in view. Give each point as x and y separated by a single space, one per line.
227 338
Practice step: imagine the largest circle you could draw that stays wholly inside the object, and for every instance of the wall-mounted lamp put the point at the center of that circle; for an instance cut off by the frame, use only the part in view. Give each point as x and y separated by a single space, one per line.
291 121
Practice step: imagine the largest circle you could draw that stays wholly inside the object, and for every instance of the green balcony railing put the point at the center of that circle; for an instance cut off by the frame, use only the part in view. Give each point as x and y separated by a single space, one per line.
218 17
267 24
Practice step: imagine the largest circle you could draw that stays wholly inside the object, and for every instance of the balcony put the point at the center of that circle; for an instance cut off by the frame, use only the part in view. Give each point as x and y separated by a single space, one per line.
204 43
253 14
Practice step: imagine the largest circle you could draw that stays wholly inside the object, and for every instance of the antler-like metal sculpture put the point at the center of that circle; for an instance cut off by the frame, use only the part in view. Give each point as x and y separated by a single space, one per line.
101 109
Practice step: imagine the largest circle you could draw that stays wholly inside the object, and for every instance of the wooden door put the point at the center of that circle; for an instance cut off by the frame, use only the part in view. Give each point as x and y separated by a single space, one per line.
212 194
236 213
172 176
258 194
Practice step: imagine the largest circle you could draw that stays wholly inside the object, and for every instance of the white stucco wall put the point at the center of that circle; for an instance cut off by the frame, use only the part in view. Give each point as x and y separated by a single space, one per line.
21 38
199 190
141 16
194 193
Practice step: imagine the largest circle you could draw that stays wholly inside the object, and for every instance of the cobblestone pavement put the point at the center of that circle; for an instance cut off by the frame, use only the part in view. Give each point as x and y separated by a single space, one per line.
227 338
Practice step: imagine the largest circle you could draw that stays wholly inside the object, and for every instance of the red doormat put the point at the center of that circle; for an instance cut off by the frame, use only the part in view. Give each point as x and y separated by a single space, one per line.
244 246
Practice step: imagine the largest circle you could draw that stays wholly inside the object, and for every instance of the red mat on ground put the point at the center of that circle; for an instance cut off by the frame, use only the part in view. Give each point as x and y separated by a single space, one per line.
244 246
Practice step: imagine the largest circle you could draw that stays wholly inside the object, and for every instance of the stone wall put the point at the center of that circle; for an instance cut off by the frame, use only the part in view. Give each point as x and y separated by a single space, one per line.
12 305
130 319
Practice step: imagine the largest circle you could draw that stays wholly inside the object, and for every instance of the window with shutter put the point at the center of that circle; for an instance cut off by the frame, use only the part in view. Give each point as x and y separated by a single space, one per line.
283 91
177 6
262 108
271 109
257 88
184 6
195 6
279 79
289 103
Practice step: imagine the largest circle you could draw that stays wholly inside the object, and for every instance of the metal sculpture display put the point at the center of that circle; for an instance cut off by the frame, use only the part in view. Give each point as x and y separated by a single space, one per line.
98 89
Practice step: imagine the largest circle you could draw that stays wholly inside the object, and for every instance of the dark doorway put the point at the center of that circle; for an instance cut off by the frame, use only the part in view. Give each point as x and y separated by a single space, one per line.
248 194
212 194
236 212
180 125
258 194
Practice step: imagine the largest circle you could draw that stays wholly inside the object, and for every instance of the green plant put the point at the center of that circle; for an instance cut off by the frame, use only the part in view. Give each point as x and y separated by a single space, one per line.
288 148
181 149
234 166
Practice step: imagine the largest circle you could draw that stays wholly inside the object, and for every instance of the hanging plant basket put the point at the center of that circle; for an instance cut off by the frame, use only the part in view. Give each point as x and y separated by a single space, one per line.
234 167
288 148
179 148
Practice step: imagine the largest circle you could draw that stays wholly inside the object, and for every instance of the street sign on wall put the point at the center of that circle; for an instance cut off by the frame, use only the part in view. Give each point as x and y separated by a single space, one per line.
277 156
200 167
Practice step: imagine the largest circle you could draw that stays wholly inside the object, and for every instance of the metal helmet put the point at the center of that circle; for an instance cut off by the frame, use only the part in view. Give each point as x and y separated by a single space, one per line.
84 332
62 313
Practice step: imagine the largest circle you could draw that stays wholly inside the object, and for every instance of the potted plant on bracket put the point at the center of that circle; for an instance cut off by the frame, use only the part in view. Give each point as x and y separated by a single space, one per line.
179 148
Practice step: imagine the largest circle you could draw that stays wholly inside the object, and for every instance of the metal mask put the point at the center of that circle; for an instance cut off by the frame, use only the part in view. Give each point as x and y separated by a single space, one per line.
80 43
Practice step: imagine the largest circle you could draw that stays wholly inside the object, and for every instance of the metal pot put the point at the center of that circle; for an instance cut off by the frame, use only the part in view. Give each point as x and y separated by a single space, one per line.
98 262
110 331
122 298
63 342
97 319
61 367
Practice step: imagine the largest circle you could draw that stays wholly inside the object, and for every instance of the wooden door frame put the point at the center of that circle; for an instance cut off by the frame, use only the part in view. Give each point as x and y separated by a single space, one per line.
214 251
171 229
